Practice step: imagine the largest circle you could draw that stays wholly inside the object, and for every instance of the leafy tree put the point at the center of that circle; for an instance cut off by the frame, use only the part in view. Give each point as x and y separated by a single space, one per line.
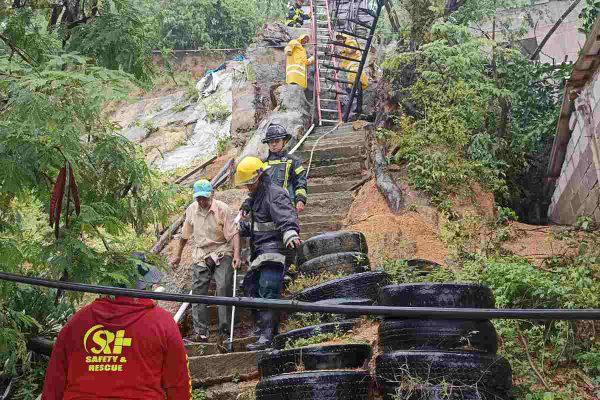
208 23
472 111
51 101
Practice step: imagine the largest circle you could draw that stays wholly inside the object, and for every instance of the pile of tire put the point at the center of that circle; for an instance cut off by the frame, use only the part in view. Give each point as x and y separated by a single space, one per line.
438 359
338 252
333 372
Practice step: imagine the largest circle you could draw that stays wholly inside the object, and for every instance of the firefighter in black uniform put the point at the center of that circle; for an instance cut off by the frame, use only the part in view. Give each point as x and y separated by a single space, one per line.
286 171
272 225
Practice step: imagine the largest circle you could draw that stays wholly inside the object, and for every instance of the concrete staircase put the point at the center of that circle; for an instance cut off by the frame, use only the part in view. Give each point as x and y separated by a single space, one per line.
337 165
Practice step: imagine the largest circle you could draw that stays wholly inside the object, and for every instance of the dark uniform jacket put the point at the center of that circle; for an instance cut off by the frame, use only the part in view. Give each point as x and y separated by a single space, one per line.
273 223
287 171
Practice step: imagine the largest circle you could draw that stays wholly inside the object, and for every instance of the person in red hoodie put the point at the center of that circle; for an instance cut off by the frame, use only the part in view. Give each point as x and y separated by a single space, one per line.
119 348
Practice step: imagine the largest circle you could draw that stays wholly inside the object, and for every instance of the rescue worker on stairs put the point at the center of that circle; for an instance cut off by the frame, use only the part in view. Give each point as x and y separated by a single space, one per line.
296 15
272 226
296 61
355 55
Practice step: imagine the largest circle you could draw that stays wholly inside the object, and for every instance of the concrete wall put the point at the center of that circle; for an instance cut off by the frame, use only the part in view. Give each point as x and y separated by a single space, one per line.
537 19
577 191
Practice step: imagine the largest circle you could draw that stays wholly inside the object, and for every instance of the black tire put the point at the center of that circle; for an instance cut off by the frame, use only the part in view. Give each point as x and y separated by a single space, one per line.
280 341
331 242
345 356
347 263
319 385
451 295
364 285
438 334
327 317
391 392
486 372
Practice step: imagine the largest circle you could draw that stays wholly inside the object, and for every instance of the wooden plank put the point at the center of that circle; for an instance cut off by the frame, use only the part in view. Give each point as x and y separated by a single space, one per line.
198 168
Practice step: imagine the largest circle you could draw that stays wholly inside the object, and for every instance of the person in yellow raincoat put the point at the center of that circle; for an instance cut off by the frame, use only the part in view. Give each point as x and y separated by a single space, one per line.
296 61
355 55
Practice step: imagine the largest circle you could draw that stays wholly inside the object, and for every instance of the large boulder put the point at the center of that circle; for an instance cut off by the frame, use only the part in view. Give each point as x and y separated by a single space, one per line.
292 111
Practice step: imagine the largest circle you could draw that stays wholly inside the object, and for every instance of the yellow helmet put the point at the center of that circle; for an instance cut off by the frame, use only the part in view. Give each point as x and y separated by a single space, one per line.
248 170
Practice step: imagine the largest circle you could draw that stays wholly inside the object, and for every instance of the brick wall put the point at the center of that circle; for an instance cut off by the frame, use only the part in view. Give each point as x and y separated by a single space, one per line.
577 191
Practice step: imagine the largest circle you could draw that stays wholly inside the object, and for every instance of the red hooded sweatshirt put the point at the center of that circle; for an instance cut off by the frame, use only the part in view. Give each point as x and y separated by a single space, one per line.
122 348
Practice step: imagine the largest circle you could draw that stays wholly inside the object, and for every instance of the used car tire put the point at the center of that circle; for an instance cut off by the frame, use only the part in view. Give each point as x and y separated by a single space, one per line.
319 385
327 317
486 372
364 285
445 392
280 341
438 334
331 242
350 262
451 295
343 356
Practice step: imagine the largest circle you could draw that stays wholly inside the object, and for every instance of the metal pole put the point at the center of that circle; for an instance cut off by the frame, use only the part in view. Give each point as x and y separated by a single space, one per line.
293 305
363 61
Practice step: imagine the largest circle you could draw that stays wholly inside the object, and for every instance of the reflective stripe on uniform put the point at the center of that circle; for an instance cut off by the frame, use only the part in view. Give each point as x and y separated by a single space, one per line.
264 227
299 170
295 69
301 192
288 166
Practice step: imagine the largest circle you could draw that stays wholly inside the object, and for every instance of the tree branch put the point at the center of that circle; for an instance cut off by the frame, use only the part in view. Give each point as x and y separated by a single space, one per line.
26 57
530 360
555 27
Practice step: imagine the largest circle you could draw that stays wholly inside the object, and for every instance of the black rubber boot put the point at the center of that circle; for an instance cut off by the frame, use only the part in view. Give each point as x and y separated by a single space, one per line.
266 324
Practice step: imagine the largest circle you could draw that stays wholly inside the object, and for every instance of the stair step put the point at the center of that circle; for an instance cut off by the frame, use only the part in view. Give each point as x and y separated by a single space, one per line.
330 152
329 110
340 170
331 121
332 139
331 187
218 368
321 227
317 218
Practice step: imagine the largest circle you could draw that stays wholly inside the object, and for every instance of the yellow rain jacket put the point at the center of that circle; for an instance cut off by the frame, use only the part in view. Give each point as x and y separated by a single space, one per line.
296 62
352 65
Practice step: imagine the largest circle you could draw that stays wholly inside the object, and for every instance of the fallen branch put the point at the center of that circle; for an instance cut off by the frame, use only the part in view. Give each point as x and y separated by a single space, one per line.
198 168
530 360
554 28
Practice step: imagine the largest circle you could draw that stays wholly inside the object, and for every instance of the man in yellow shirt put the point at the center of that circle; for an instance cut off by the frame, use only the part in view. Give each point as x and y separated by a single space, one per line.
209 223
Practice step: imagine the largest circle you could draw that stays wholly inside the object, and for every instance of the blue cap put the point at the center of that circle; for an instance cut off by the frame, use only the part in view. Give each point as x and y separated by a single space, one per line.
202 188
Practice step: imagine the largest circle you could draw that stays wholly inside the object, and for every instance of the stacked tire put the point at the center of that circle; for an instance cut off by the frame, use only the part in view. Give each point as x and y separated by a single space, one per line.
334 372
443 358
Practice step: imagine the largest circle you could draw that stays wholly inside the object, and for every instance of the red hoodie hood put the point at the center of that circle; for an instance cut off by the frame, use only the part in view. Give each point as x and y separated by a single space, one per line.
120 312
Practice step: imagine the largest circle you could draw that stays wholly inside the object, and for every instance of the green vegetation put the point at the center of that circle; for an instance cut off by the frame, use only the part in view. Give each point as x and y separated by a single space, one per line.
472 111
208 23
57 75
339 337
556 351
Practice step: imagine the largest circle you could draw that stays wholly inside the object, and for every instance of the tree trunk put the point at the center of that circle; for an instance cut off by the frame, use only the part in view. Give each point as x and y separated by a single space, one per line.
386 185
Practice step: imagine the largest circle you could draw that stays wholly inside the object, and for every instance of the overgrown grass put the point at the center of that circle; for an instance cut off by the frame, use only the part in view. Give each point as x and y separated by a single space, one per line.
304 282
